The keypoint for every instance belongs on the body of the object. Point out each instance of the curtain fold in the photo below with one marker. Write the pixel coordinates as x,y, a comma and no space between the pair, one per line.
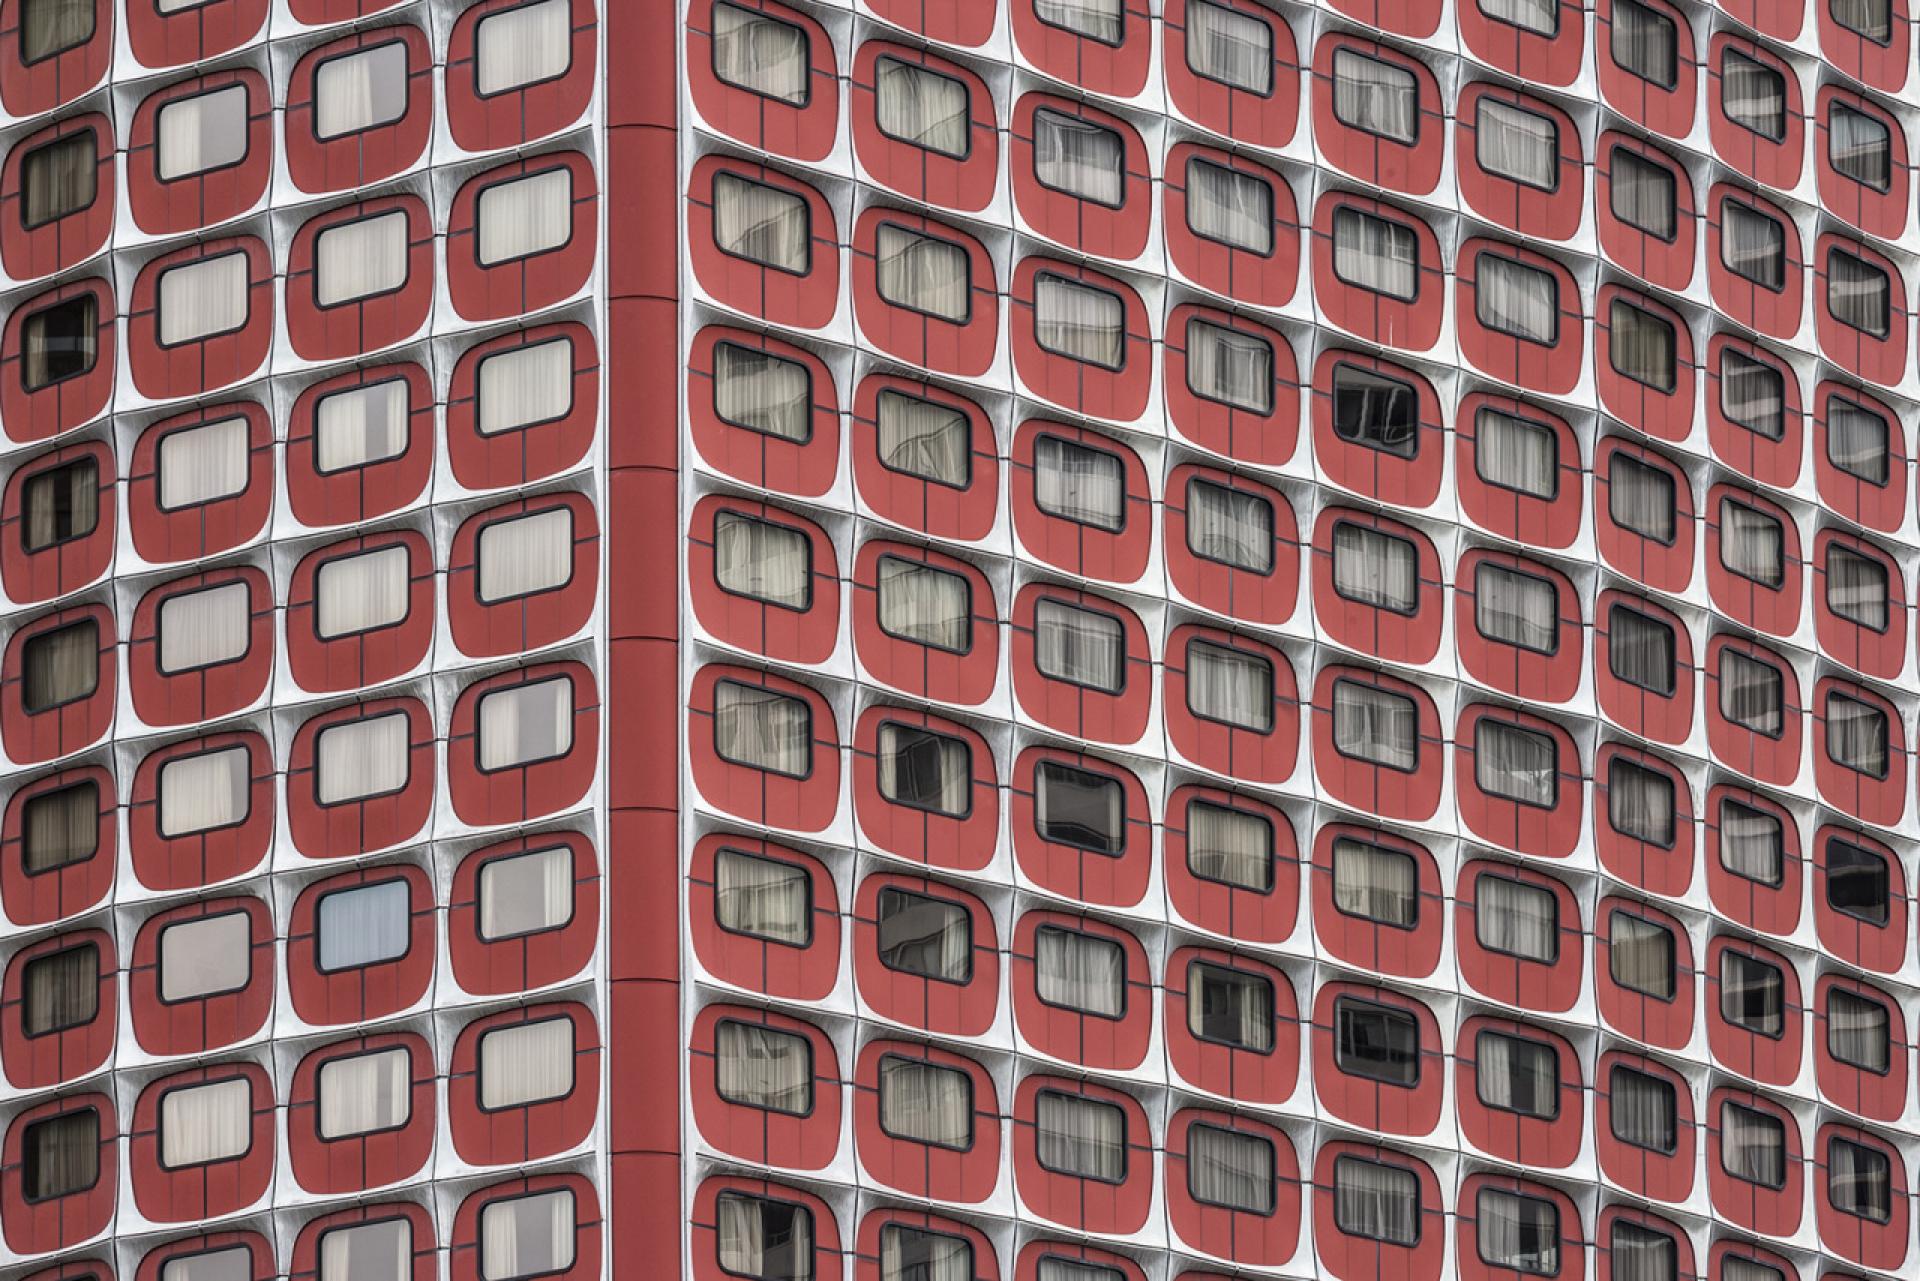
1640,649
1753,244
1376,96
1518,1075
1079,157
1519,764
1515,608
60,1154
1517,144
1751,693
361,592
1642,1109
1753,94
766,561
1542,17
1641,192
762,729
1640,802
527,893
926,1103
1230,1169
1078,645
1642,1254
1079,484
1645,42
531,384
920,106
1079,322
1753,394
922,438
525,555
1079,808
365,1252
60,666
1640,496
522,1236
911,1254
1230,525
1231,686
361,425
1229,46
759,896
1229,846
1100,19
770,1240
919,603
1080,971
1858,145
1856,587
763,1067
205,1123
1516,918
760,53
1229,1006
763,224
1375,253
362,1093
1081,1136
1753,1145
922,273
203,791
1519,1232
1857,735
202,132
524,45
1516,453
1229,206
526,723
1375,568
363,758
360,259
1375,725
1375,883
62,502
1858,1030
1857,293
1870,18
60,827
526,1063
203,627
1857,440
1230,367
927,770
360,90
1752,994
60,177
1641,346
60,989
1375,1200
203,298
1859,1179
1640,955
534,214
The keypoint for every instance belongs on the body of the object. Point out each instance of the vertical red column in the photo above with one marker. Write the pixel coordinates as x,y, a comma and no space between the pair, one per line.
643,630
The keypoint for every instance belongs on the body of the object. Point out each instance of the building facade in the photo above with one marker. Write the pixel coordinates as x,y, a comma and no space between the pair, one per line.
958,640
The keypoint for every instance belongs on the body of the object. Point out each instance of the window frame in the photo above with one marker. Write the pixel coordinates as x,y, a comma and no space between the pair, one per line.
713,57
362,886
1479,110
1348,211
880,1102
806,884
90,132
920,68
486,96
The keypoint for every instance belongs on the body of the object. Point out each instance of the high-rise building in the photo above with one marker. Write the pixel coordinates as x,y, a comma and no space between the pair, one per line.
958,640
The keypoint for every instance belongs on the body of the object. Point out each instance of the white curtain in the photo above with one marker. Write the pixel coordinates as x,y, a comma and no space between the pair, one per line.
360,90
60,1154
364,925
1079,807
1376,96
762,897
60,665
1375,568
926,1103
204,627
1519,764
358,759
60,989
1753,94
1230,525
526,1236
922,935
203,791
910,1254
1739,1267
1079,322
523,46
526,1062
762,729
1375,883
1520,1076
1541,17
235,1263
60,177
1856,587
1753,1145
361,425
525,216
1081,1136
922,438
206,131
1229,1006
525,385
526,893
525,723
1517,144
60,827
1753,394
381,1251
525,555
361,1093
1055,1267
1231,207
1378,413
1640,802
1859,1179
51,26
1642,1110
204,956
1640,497
1518,1232
1641,346
1752,994
1645,42
1857,735
1752,543
762,224
1079,484
762,1067
1515,917
1229,846
1099,19
1858,145
204,298
1080,646
766,561
1640,955
770,1240
1640,649
1641,192
1516,453
59,503
1230,685
1375,725
1516,299
200,464
922,273
1857,292
1858,1030
1228,366
360,259
922,107
1515,608
760,53
762,392
1229,46
361,592
1230,1169
204,1123
926,770
1374,1200
1375,254
1874,20
1080,971
1752,244
1642,1254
